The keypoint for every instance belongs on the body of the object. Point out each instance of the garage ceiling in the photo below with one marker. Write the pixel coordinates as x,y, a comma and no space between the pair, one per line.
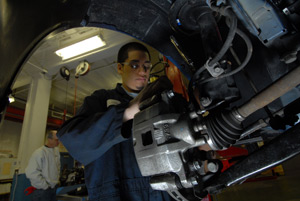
102,74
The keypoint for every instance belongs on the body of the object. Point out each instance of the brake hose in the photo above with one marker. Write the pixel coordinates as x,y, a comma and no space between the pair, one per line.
232,30
245,62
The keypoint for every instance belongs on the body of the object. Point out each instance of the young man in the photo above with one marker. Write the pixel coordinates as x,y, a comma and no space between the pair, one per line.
99,136
44,168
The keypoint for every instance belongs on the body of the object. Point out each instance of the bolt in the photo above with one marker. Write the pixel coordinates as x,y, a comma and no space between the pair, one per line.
212,167
170,94
194,181
205,101
217,70
193,115
286,11
198,127
196,165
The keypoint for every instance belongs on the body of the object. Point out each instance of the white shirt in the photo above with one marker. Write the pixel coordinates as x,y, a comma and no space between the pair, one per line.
44,168
131,94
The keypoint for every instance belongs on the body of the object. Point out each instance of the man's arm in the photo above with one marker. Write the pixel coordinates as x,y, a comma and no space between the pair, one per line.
94,130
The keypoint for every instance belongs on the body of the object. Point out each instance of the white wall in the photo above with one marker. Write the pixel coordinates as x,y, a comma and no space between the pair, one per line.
10,133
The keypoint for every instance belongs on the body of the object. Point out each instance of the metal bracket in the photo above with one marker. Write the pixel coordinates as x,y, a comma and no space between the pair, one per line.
215,70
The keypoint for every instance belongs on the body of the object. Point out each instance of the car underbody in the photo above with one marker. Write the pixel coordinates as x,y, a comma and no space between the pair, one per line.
240,57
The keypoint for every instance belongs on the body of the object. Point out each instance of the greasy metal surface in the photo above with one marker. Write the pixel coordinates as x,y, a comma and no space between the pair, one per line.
277,89
158,156
282,148
283,187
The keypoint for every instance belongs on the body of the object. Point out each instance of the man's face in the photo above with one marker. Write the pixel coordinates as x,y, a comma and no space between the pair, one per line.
54,142
135,80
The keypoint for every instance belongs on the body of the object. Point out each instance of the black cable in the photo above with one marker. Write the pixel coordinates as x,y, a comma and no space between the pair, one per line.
232,30
162,70
245,62
155,66
227,44
158,71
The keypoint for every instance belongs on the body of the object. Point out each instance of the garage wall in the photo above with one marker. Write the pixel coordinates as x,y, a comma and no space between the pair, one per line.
10,133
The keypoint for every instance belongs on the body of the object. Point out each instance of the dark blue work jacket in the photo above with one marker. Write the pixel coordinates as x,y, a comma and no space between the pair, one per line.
97,137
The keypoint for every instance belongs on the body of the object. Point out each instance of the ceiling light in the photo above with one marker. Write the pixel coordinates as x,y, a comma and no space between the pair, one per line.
81,47
11,98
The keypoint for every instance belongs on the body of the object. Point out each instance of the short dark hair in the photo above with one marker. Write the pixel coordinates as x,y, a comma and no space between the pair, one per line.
50,134
123,52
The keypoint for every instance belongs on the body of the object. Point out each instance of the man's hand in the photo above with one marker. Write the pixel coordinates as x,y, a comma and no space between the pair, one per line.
157,87
29,190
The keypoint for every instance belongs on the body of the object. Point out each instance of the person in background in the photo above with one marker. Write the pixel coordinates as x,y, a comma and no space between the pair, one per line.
43,169
100,137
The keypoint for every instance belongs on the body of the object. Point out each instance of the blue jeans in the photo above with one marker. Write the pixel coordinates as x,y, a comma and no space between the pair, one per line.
44,195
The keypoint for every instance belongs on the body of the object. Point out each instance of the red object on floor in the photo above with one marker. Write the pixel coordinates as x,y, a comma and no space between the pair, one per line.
207,198
229,154
233,152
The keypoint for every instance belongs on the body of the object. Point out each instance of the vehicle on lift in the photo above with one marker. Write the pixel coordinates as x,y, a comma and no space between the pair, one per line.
241,59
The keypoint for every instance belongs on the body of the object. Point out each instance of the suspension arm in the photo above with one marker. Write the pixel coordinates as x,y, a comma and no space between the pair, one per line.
277,151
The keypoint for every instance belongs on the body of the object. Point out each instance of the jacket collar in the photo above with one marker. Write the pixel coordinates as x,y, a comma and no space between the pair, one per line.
122,92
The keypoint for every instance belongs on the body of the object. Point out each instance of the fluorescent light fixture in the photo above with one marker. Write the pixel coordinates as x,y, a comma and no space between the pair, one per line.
81,47
11,98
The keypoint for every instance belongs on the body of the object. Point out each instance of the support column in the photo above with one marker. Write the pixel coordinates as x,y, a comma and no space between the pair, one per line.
35,119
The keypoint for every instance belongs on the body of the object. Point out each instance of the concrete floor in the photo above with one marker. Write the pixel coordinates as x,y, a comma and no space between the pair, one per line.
283,188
